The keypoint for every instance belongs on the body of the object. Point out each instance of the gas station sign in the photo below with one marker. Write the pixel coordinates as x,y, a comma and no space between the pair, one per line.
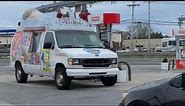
105,18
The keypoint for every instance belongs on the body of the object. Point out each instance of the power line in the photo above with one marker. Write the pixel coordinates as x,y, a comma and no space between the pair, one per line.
144,20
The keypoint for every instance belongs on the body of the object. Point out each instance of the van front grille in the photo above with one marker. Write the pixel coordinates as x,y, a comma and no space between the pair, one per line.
96,63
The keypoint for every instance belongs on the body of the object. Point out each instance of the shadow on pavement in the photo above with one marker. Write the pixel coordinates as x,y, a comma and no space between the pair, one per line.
75,84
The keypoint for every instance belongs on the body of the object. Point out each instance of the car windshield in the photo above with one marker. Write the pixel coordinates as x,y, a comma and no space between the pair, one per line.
78,39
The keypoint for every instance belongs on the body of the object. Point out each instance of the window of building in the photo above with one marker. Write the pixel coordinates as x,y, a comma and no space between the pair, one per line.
164,44
172,42
182,42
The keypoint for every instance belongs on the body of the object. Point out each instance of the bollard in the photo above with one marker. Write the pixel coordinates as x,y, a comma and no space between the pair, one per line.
169,64
128,66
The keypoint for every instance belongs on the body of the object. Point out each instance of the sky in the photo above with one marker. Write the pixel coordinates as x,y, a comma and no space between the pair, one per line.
11,12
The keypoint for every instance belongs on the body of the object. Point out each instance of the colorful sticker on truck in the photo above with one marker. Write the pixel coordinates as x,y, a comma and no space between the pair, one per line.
16,45
32,58
20,45
93,51
45,60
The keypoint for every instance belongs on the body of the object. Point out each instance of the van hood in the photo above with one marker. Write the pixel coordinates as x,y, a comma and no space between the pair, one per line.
89,53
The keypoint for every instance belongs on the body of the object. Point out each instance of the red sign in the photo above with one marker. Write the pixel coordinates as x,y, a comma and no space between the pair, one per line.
95,18
111,18
180,64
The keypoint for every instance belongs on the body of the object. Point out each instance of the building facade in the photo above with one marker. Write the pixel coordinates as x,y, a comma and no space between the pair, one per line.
6,36
142,44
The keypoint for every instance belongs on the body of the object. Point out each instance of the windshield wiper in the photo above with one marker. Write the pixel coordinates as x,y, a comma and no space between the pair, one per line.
69,46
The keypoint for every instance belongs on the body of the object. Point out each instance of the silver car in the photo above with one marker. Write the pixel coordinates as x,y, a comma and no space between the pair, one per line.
165,92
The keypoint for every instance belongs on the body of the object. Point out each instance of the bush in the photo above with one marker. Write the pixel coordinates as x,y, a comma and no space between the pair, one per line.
165,60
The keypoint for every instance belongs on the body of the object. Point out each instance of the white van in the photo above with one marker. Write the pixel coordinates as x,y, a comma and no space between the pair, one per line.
61,48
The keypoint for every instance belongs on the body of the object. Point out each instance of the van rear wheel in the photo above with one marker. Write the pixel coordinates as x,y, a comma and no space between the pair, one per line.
62,81
20,75
109,81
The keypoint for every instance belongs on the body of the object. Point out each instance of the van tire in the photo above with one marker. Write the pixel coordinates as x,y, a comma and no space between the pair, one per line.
109,81
20,75
61,74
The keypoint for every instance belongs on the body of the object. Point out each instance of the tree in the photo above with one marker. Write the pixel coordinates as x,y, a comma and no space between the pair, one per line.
155,35
140,31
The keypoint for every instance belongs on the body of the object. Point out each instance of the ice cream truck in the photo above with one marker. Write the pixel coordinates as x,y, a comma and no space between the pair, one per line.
58,45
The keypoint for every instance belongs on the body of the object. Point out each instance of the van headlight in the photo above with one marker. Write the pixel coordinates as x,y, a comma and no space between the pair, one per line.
73,61
114,61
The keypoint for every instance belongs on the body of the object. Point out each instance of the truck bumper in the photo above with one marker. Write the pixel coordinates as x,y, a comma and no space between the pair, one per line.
92,72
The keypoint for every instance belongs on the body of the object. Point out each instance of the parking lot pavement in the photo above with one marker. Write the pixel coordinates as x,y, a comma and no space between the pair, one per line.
41,90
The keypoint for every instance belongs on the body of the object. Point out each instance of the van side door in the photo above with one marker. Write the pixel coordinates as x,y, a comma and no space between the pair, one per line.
47,54
32,57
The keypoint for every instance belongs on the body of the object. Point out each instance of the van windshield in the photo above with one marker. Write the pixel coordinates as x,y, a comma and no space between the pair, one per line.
78,39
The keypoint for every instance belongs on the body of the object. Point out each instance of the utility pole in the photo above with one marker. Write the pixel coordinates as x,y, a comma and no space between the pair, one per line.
148,26
132,31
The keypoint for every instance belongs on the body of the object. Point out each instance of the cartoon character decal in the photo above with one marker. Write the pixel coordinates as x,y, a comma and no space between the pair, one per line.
16,45
20,46
45,57
93,51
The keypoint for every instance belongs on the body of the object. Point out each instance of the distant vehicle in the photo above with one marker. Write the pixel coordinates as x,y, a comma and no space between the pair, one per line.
165,92
169,44
144,50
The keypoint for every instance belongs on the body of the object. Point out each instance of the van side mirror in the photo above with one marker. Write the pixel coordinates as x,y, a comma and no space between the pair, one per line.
47,45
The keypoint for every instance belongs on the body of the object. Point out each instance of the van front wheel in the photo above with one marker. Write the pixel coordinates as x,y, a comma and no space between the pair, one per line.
62,81
109,81
20,75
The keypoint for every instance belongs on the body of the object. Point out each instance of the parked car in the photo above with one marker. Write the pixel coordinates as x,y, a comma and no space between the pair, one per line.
165,92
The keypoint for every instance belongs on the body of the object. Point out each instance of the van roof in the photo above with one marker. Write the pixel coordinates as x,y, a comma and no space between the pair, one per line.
34,18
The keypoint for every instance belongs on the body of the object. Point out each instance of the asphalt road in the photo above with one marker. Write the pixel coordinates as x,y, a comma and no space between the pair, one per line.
42,91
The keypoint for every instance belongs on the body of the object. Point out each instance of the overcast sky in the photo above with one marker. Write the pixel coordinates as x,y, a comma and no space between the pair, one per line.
11,12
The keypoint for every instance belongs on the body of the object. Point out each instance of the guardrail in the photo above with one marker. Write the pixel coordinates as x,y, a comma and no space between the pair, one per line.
128,66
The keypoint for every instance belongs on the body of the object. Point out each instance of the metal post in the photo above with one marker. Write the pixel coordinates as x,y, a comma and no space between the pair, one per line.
108,34
148,26
132,31
178,50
